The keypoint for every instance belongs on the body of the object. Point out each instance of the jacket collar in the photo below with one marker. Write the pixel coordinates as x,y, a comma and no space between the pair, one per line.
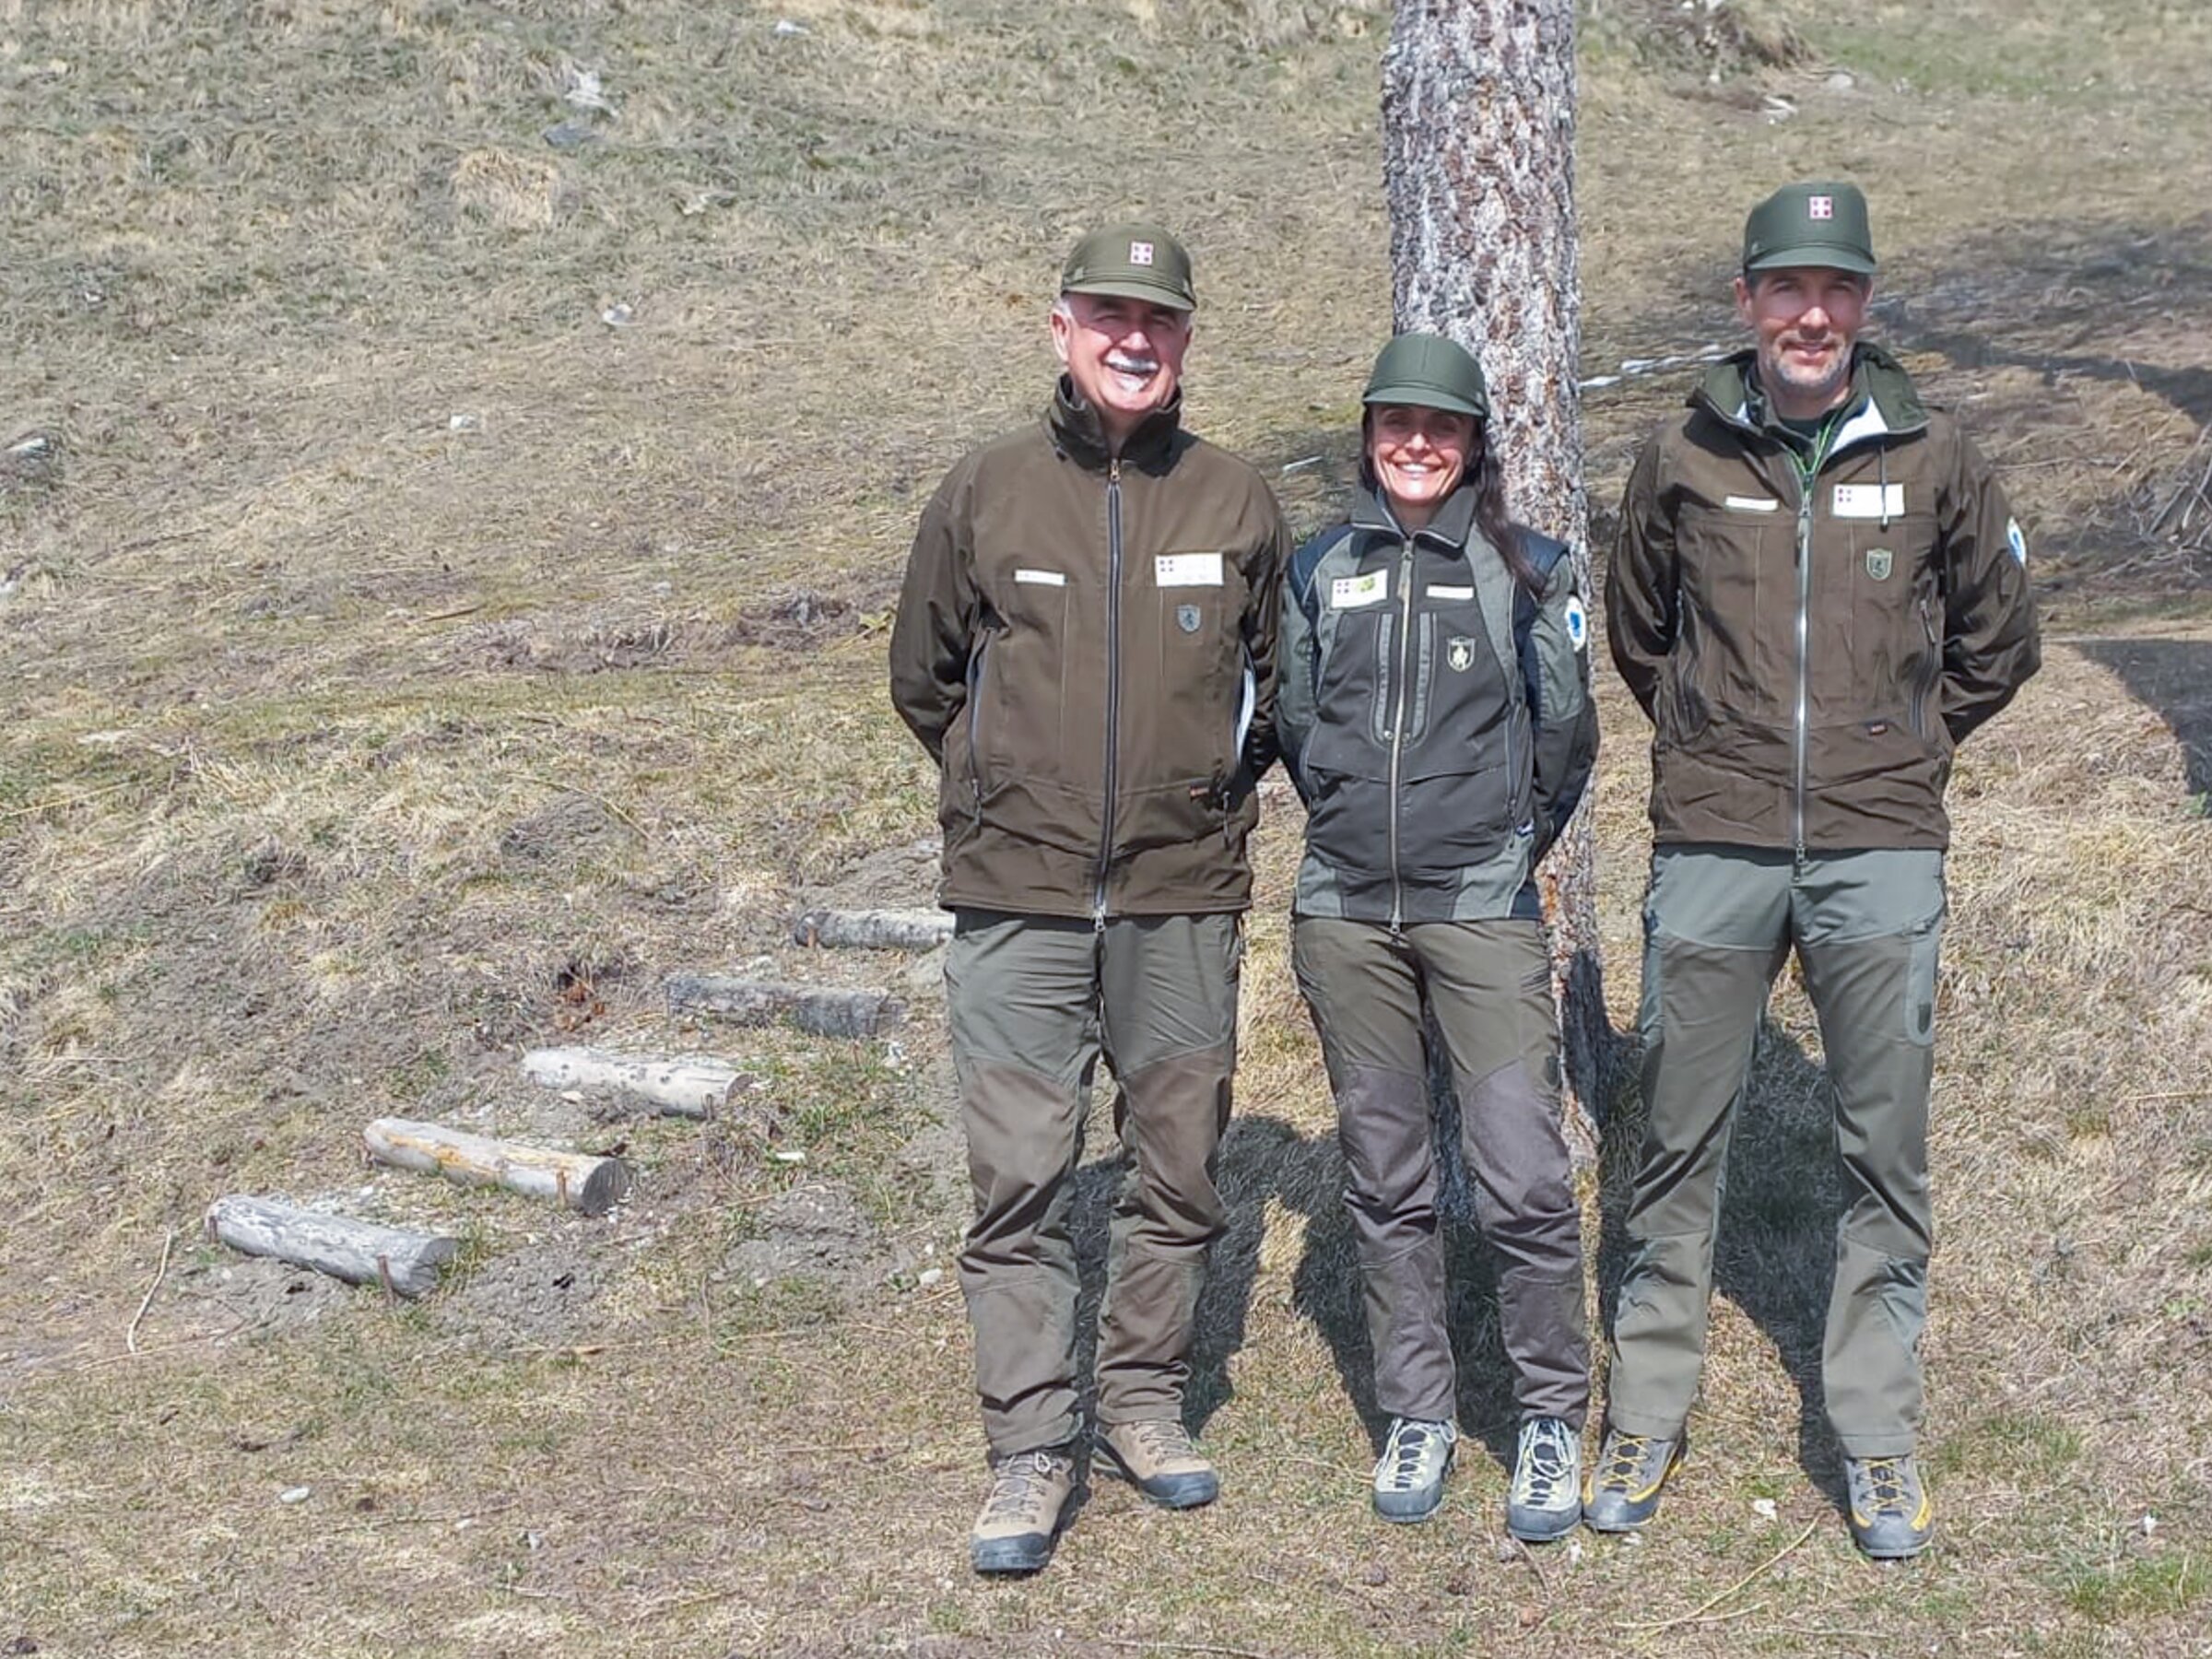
1449,530
1885,403
1076,433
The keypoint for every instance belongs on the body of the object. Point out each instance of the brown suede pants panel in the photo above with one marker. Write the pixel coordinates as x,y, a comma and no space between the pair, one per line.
1035,1002
1489,987
1718,926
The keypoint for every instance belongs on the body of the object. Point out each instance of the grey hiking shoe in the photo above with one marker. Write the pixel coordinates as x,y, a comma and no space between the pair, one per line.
1409,1475
1622,1491
1891,1516
1157,1457
1020,1519
1546,1501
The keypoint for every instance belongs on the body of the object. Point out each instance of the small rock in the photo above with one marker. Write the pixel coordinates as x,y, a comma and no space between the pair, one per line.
1763,1508
2150,1524
571,134
462,423
929,1277
1505,1552
294,1494
1375,1577
1843,81
784,25
617,315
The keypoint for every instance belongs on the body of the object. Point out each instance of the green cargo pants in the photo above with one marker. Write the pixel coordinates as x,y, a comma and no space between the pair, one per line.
1034,1002
1488,986
1719,922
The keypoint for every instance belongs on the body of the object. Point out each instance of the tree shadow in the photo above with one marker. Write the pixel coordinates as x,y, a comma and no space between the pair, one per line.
2173,676
1782,1198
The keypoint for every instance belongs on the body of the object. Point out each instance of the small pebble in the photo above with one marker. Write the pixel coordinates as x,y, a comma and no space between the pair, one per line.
294,1494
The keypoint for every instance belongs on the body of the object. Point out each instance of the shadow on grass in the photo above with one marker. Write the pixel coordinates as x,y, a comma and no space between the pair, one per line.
2173,676
1782,1198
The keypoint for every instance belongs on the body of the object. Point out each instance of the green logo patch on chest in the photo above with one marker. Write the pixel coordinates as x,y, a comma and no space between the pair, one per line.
1880,561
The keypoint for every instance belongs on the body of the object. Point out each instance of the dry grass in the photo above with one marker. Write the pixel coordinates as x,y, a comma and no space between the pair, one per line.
396,647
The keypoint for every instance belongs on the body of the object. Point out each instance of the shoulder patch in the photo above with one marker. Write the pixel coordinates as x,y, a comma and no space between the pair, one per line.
1578,622
2015,541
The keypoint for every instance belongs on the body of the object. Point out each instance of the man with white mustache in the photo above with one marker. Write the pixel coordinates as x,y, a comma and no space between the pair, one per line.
1085,644
1818,592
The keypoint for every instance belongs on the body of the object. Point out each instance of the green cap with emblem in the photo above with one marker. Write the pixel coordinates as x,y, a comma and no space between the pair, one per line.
1428,372
1819,225
1132,261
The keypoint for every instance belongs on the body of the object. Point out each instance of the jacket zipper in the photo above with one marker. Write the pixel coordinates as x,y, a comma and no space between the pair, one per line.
1923,682
1113,684
1805,604
1398,727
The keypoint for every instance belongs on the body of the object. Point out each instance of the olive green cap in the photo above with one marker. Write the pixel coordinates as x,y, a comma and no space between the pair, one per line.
1428,372
1135,262
1819,225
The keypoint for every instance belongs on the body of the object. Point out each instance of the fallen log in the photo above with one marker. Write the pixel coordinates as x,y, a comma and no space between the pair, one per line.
688,1085
576,1180
824,1013
358,1252
872,929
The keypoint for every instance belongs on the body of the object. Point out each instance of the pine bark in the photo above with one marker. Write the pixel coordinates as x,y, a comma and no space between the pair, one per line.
1478,162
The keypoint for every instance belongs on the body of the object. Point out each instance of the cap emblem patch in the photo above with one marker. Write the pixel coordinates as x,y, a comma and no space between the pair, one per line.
1820,208
1140,253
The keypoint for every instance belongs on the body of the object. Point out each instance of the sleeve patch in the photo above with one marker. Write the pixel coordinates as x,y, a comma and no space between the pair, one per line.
2015,541
1578,623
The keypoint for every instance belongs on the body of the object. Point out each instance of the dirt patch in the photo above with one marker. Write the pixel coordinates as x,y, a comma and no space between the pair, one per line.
898,878
816,1232
541,1293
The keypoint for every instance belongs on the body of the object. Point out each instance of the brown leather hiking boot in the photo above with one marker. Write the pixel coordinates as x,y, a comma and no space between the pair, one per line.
1020,1519
1157,1457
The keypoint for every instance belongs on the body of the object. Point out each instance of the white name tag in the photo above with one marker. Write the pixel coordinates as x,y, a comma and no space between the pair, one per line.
1042,578
1870,500
1349,592
1437,592
1751,504
1187,570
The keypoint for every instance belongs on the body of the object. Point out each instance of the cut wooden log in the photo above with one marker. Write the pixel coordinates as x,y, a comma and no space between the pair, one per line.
872,929
358,1252
825,1013
686,1086
574,1179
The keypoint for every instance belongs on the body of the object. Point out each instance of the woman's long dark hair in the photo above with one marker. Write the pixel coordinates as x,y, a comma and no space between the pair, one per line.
1487,479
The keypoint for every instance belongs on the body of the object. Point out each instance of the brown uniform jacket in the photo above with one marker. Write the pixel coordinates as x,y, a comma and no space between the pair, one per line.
1085,645
1809,657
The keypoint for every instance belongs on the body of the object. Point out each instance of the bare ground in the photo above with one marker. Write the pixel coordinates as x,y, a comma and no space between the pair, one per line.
408,665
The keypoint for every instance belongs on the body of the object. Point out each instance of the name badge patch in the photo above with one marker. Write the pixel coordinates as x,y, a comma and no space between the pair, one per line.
1869,501
1751,504
1187,570
1352,593
1041,578
1438,591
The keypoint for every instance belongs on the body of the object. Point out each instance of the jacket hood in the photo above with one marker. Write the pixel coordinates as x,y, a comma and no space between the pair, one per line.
1730,390
1076,431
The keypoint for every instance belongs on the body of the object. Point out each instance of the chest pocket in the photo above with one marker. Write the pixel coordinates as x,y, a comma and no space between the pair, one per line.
1188,607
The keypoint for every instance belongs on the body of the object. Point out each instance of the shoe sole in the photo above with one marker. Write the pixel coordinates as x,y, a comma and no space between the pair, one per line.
1549,1529
1011,1557
1191,1492
1410,1517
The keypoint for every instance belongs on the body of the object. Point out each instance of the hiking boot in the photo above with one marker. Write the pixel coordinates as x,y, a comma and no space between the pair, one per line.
1020,1519
1156,1457
1409,1477
1622,1491
1891,1515
1546,1501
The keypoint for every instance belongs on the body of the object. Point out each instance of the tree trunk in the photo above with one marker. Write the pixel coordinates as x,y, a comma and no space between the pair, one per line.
1478,162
